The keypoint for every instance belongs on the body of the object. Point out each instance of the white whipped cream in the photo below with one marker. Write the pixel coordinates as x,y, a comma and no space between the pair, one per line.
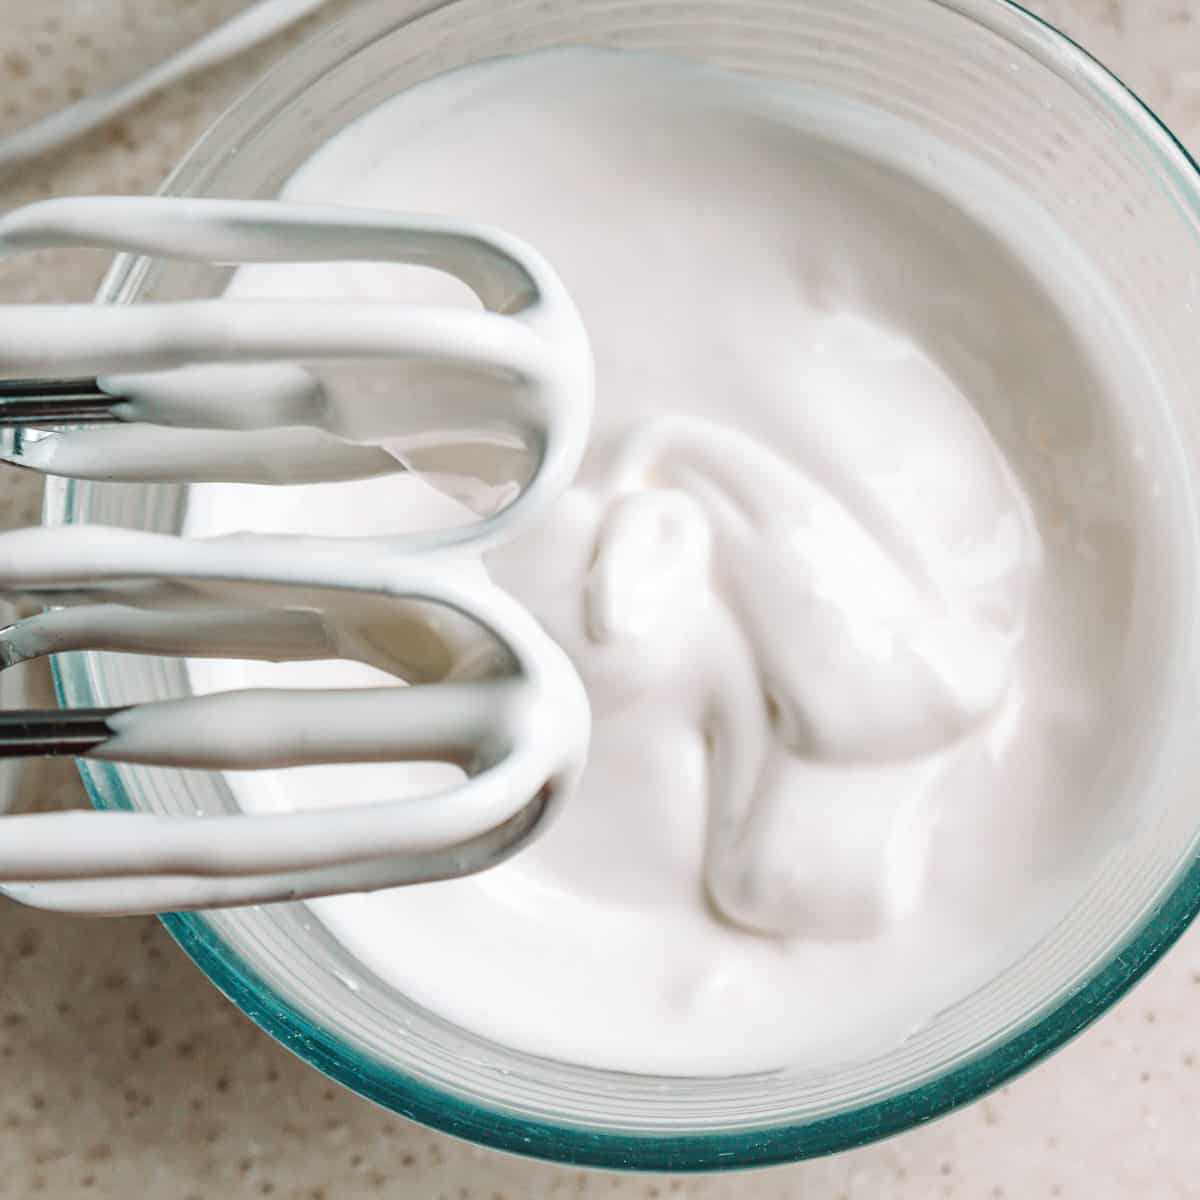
846,570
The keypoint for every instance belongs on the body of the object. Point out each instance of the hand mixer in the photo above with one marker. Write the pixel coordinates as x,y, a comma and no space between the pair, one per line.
202,389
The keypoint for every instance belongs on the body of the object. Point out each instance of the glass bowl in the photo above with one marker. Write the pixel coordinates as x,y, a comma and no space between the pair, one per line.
984,76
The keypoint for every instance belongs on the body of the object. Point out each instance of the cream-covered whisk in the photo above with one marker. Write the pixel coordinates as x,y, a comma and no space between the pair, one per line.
491,405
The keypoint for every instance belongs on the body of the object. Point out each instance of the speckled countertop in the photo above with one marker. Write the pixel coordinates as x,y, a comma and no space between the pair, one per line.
125,1074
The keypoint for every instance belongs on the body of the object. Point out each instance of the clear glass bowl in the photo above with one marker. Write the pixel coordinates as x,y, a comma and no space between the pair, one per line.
983,75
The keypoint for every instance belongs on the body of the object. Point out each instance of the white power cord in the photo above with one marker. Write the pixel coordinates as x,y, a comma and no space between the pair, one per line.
256,24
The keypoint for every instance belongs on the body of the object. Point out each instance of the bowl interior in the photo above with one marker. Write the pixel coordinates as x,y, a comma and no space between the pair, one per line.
991,83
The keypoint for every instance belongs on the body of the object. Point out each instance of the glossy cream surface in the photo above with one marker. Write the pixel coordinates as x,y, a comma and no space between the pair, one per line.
848,570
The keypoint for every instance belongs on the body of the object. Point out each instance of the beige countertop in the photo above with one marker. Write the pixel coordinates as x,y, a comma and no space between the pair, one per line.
125,1074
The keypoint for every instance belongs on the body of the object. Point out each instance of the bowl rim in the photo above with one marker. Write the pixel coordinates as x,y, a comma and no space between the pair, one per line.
578,1145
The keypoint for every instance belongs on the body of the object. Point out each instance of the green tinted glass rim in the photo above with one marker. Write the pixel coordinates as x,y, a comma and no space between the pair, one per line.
691,1152
581,1146
762,1146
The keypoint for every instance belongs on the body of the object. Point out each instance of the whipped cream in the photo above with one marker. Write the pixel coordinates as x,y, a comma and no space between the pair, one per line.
846,570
